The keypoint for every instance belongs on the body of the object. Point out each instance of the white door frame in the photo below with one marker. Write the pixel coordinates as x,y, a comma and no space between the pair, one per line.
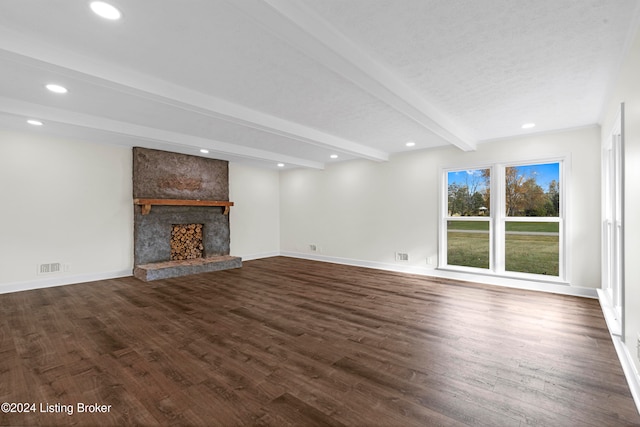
612,288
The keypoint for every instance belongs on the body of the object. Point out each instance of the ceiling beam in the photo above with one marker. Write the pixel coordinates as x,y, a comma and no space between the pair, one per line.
299,26
17,47
82,120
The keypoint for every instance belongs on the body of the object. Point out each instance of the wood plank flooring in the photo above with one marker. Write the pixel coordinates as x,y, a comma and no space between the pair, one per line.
288,342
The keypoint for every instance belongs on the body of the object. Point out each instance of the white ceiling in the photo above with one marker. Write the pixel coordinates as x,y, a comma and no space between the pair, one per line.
294,81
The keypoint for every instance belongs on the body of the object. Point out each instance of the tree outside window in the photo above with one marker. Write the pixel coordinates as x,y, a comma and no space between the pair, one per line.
525,194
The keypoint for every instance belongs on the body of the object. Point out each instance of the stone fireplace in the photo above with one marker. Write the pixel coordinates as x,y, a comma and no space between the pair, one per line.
181,215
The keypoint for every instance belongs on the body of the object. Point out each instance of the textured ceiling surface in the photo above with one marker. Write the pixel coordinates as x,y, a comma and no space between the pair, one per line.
488,61
270,81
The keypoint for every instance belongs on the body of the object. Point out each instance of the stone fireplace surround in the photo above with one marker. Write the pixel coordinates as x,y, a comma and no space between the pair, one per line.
164,175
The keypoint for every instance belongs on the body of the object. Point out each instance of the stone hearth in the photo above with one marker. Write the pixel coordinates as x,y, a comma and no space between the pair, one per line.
165,270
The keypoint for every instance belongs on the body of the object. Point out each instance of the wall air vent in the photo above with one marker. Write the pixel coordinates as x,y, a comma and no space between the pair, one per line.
402,256
53,267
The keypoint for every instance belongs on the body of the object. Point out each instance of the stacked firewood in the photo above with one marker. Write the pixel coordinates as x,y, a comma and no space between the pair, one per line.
186,242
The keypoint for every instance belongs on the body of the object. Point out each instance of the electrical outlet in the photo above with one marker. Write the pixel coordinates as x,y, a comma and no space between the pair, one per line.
313,248
430,260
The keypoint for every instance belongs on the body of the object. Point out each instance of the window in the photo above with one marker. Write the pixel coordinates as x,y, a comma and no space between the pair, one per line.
505,219
468,218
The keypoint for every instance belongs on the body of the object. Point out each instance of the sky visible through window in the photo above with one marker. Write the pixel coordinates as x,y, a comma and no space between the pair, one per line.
543,174
467,177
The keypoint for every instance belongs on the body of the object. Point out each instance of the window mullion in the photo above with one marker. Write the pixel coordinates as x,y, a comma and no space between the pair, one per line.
498,215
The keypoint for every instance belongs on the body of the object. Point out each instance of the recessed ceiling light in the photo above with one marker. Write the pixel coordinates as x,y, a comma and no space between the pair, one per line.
528,125
334,156
105,10
410,144
56,88
204,151
280,165
34,122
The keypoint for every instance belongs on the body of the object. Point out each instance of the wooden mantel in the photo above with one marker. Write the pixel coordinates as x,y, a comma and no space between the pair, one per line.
145,204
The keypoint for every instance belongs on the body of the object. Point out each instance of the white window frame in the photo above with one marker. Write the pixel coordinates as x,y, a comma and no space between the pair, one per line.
497,220
445,218
611,293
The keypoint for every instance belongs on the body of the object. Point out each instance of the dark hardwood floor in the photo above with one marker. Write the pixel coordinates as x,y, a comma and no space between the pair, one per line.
293,342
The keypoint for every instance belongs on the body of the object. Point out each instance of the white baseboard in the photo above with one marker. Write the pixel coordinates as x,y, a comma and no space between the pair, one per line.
613,324
625,357
517,283
630,371
261,255
61,281
423,271
359,263
445,274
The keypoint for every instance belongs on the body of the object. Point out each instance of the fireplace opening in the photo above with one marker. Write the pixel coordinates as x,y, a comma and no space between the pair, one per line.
186,241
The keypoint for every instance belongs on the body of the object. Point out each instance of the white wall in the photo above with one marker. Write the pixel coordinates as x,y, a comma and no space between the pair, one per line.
627,90
63,201
364,211
254,218
71,202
